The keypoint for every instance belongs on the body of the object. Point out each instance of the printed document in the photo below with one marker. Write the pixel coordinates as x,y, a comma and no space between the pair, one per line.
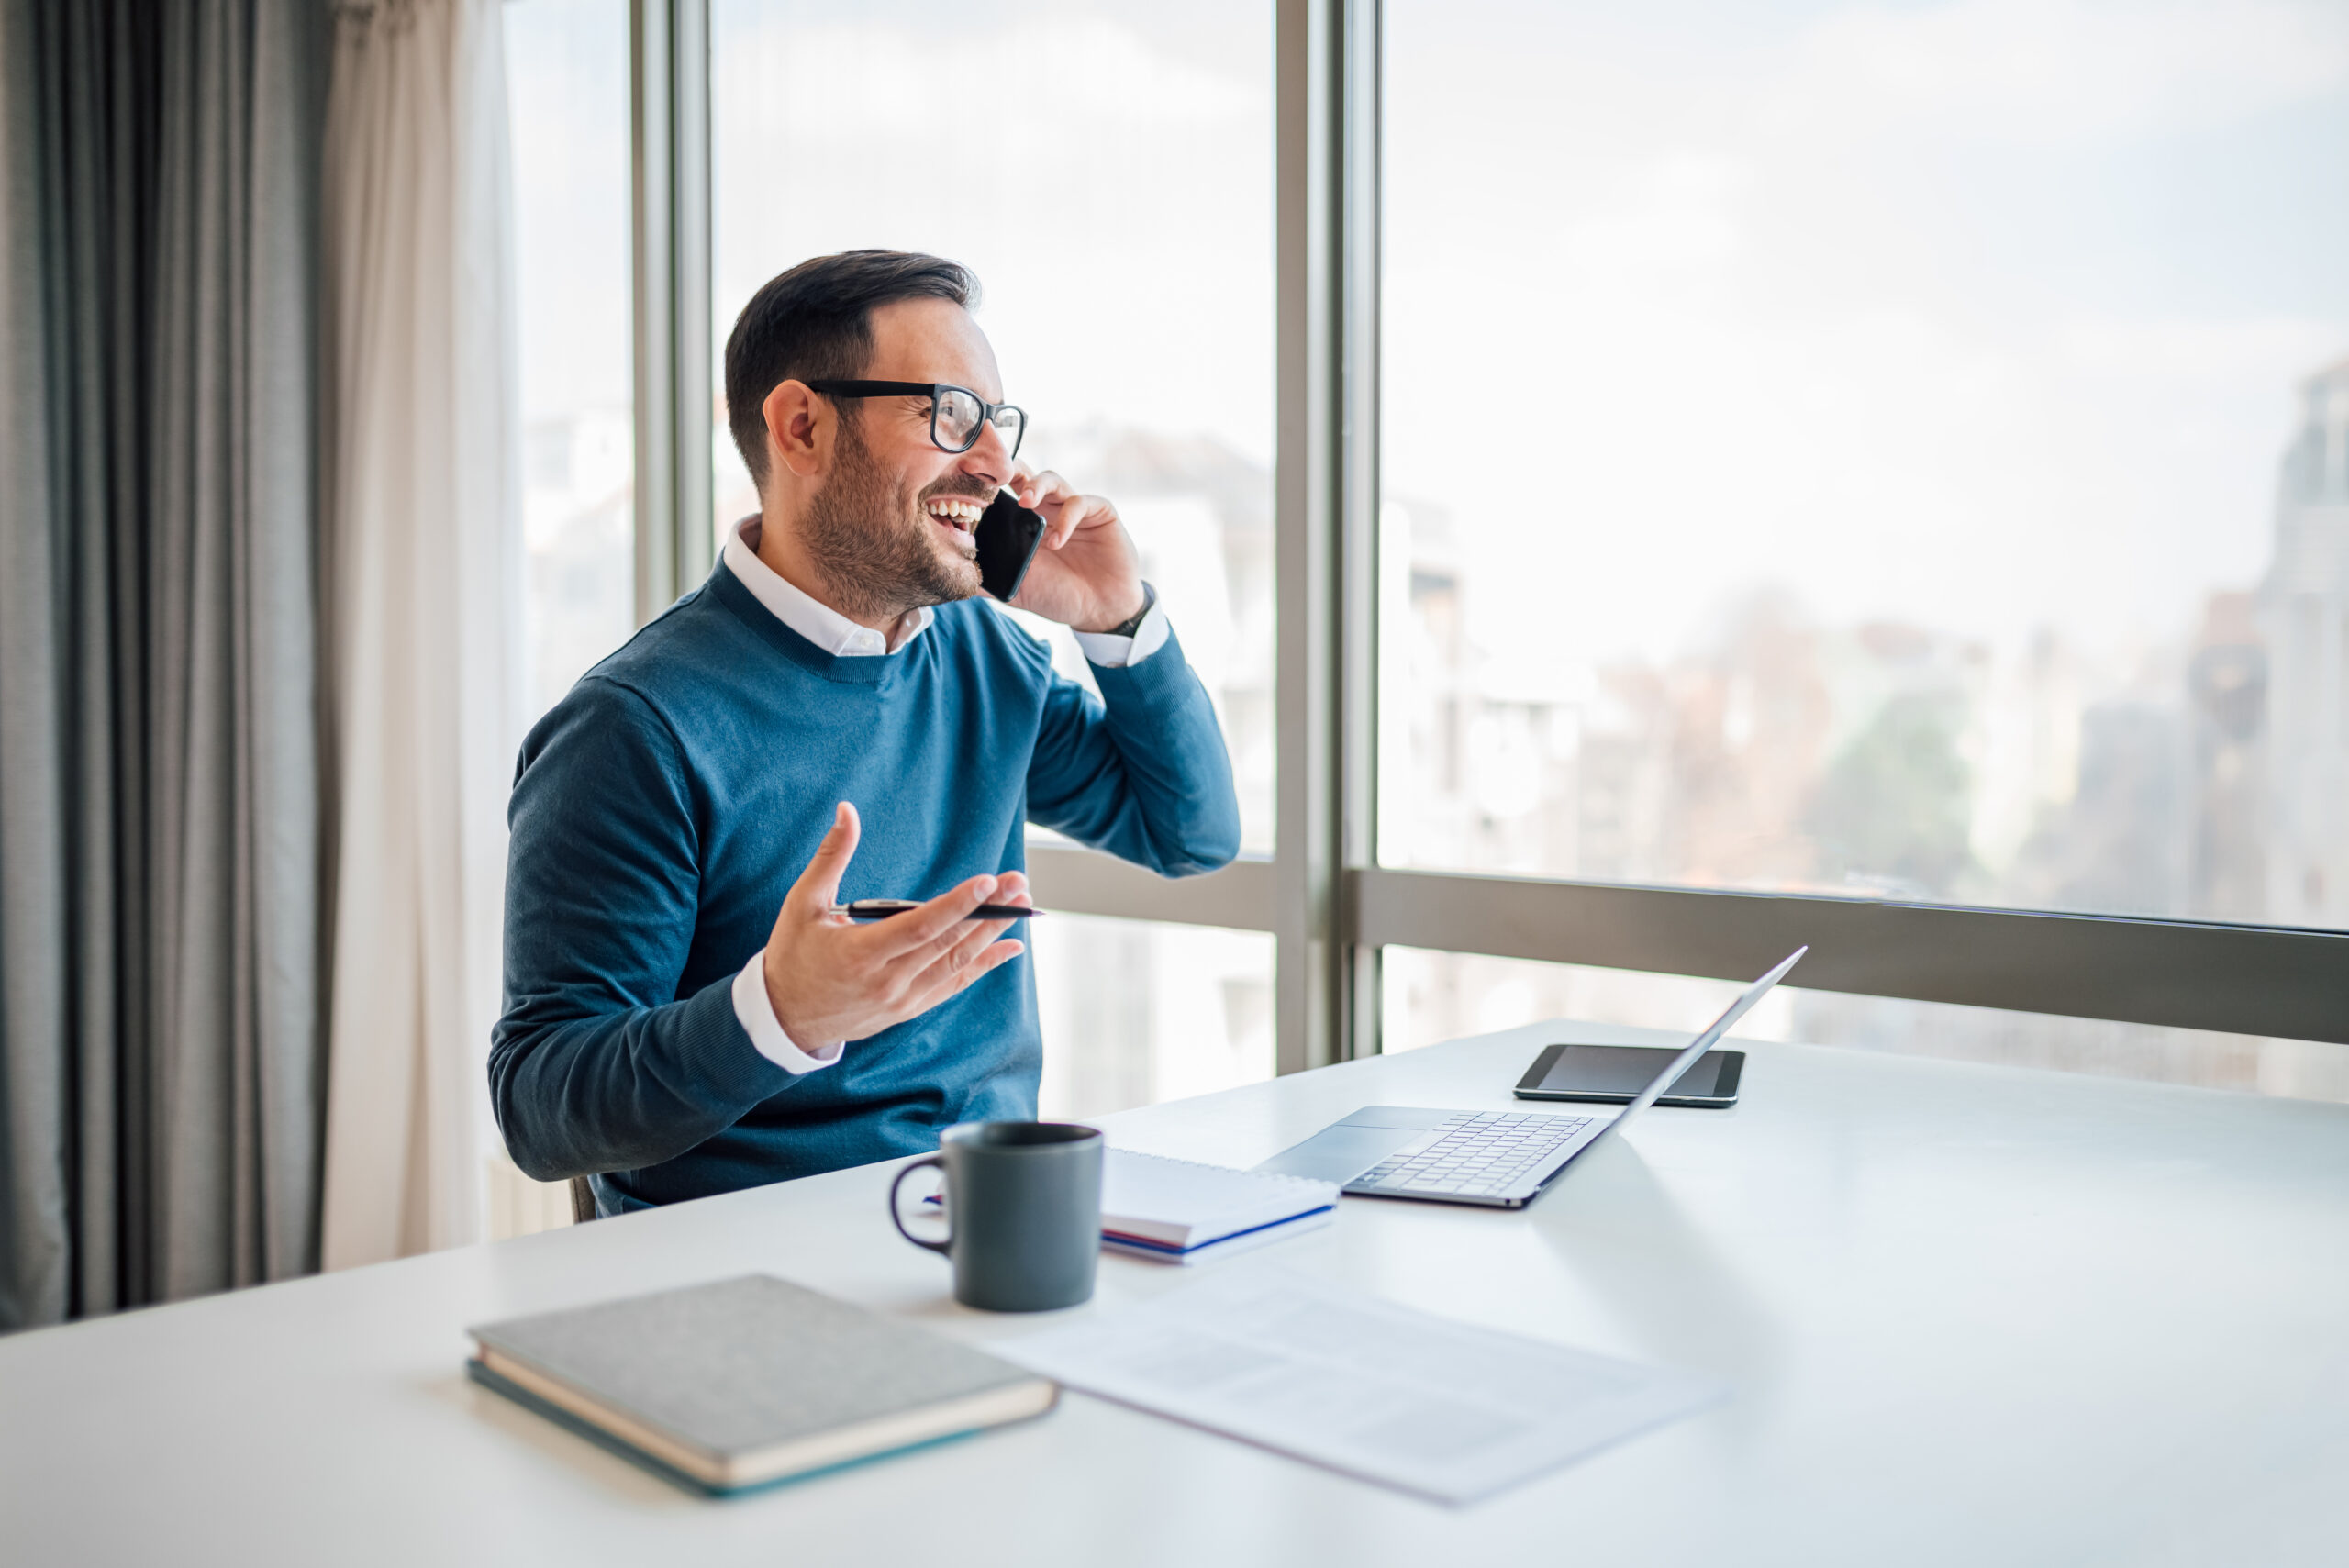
1411,1401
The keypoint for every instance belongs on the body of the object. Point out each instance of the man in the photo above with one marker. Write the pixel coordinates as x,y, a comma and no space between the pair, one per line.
831,716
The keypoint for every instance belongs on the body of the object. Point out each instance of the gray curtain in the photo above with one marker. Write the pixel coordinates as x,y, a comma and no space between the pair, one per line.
160,999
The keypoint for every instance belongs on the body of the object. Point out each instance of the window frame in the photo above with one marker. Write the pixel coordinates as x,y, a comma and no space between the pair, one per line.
1329,904
669,278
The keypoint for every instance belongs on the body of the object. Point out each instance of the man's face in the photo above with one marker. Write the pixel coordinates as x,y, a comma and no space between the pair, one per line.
890,527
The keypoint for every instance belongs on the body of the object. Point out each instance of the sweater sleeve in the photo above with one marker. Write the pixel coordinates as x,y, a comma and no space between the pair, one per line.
597,1065
1140,772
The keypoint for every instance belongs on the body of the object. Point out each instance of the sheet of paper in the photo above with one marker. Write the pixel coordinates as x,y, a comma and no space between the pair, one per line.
1397,1396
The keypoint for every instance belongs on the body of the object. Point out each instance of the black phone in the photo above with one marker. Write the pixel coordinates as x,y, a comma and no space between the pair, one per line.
1006,536
1614,1074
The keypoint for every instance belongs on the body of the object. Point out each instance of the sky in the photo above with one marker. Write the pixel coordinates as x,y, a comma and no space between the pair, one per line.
1106,169
567,103
1983,314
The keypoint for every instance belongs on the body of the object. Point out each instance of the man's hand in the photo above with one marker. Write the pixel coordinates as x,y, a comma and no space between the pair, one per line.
830,979
1087,575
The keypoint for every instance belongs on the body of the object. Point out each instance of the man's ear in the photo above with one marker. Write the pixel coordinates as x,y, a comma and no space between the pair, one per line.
799,429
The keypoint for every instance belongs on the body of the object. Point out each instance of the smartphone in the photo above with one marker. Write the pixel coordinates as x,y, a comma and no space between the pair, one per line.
1006,536
1614,1074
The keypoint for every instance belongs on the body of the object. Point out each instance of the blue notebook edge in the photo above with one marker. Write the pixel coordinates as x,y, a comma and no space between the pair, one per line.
669,1472
1142,1247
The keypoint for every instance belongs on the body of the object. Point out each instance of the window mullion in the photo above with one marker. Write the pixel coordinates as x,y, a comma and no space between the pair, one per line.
1357,540
669,49
1325,509
1309,993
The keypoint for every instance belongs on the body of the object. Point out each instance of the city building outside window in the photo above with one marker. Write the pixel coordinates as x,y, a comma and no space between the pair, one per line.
1883,453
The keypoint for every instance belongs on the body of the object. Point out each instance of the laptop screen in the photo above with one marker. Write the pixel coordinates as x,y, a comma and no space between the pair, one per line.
1696,1047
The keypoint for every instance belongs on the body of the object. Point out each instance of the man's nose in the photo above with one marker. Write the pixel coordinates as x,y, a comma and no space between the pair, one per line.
989,457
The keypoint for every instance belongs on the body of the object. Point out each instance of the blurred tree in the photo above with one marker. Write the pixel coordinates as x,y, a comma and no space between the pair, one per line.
1894,809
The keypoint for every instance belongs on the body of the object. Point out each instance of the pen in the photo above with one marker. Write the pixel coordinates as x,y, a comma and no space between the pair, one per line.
882,909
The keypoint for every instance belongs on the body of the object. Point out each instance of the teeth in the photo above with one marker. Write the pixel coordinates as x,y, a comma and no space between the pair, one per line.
956,510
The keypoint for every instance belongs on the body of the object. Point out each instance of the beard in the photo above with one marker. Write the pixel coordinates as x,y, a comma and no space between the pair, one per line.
872,542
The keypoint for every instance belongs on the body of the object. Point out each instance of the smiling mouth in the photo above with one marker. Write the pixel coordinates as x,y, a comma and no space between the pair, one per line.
958,515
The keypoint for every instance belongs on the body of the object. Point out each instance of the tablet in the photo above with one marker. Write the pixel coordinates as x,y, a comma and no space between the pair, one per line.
1614,1074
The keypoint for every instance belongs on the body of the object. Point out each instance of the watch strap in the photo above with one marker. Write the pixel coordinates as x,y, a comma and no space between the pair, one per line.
1127,628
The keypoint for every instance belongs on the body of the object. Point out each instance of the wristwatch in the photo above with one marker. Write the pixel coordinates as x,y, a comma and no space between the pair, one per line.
1127,628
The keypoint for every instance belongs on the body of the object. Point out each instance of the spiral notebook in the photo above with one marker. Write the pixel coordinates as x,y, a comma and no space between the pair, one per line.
1179,1211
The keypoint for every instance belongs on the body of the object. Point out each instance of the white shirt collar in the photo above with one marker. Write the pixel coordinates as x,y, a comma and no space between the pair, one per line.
818,622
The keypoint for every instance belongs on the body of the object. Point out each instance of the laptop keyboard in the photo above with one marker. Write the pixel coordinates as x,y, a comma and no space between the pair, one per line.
1472,1156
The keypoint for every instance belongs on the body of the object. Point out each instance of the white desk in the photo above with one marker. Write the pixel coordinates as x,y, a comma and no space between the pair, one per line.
1973,1316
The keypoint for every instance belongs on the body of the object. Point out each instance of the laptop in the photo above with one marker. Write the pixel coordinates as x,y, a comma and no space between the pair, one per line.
1493,1158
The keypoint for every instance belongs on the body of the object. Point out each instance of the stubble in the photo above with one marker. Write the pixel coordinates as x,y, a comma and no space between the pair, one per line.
863,533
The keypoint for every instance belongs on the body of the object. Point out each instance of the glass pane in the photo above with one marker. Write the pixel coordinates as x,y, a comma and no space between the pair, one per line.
1136,1011
1895,451
567,101
567,107
1114,194
1433,997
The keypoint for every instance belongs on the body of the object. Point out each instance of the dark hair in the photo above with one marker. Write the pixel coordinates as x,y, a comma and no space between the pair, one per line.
816,321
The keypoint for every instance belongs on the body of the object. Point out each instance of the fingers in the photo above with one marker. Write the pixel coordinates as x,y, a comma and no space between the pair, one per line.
941,917
920,969
1040,491
968,945
1066,510
949,972
1082,513
967,935
947,977
818,886
829,979
988,960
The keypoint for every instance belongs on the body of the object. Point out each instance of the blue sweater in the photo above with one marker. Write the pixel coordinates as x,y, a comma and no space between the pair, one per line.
662,809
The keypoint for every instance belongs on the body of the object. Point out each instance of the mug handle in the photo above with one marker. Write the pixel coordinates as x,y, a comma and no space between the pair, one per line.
898,1220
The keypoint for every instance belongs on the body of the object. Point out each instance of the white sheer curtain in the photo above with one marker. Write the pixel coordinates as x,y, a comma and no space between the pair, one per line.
423,573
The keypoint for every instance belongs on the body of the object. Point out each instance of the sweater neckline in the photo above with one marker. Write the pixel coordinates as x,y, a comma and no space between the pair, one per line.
847,670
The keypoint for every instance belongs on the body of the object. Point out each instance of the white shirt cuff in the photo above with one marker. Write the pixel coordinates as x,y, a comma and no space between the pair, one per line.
1112,651
757,1016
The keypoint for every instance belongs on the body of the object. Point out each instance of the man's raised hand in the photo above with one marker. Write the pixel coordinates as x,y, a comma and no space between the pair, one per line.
1087,575
830,979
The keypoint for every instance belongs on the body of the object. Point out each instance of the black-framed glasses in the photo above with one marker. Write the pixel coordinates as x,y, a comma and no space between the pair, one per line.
957,413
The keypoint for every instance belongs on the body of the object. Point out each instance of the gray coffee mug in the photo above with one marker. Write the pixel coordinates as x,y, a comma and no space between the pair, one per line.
1023,1212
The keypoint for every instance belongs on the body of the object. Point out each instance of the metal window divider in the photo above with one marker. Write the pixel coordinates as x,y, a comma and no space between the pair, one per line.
670,278
1327,987
1312,996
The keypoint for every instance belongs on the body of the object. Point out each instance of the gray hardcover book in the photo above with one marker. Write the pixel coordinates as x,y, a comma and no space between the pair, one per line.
744,1382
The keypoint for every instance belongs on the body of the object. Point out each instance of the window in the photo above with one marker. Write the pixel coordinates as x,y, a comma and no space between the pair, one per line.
1106,169
1432,996
1865,476
567,93
1138,1011
1871,451
567,97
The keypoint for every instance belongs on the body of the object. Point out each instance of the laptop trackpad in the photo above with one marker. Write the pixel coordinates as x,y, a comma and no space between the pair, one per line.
1341,1152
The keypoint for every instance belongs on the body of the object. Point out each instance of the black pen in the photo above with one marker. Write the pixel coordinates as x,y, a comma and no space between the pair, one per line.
882,909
